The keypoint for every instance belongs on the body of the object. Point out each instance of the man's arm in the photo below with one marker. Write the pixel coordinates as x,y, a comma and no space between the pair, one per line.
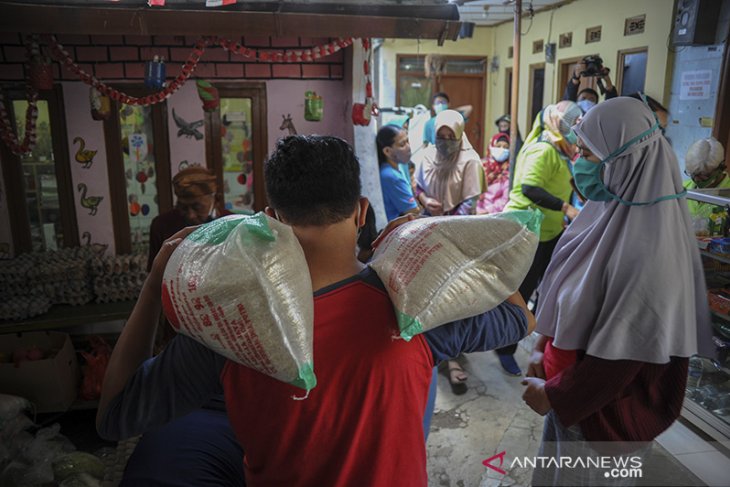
504,325
136,340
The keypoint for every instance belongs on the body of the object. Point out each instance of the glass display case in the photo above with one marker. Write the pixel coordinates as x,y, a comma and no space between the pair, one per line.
707,401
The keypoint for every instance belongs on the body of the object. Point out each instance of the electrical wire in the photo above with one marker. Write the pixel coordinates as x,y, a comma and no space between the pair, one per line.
532,15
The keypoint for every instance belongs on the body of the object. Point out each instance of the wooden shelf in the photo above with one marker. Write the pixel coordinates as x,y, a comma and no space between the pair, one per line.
66,316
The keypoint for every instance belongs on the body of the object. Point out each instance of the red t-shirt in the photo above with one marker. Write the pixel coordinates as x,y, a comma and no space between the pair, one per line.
361,425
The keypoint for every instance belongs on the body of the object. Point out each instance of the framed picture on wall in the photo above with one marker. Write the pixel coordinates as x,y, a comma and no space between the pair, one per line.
635,25
593,34
566,40
538,46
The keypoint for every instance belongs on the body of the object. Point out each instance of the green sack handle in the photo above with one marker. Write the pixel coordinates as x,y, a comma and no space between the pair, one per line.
530,219
217,231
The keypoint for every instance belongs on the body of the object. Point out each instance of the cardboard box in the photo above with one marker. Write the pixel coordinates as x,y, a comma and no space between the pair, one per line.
50,384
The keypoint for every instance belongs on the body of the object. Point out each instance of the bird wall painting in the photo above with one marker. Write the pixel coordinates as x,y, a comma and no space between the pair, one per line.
84,156
187,129
89,202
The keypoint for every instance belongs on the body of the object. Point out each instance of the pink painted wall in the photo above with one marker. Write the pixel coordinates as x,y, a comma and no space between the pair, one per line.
287,97
188,106
96,178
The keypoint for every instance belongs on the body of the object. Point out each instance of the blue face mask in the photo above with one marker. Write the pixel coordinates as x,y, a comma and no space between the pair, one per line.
440,107
587,176
586,105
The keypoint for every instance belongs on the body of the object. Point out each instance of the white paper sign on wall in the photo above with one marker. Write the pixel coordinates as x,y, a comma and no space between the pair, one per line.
695,85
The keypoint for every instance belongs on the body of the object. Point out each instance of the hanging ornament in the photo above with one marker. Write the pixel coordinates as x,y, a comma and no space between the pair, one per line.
313,107
363,112
208,95
154,73
100,105
41,73
7,132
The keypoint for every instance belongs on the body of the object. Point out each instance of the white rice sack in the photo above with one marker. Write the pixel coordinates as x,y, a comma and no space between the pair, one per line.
437,270
240,285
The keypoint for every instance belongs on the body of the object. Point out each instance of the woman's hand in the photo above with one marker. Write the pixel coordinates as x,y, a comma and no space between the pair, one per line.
535,395
433,206
570,211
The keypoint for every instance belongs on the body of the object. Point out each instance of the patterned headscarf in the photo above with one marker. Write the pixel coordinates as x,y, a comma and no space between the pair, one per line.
557,121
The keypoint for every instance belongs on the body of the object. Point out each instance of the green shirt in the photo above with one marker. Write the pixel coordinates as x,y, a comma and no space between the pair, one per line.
540,164
703,210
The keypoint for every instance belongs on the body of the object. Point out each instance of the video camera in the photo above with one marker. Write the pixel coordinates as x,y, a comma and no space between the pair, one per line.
594,66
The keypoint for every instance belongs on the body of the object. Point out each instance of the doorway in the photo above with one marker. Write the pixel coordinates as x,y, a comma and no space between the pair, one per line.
235,138
632,70
566,67
463,78
536,91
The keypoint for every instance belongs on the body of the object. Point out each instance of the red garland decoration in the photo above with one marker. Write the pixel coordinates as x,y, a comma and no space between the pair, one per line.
31,112
288,56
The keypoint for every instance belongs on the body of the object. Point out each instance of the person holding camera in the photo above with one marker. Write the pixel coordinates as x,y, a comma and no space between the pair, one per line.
587,98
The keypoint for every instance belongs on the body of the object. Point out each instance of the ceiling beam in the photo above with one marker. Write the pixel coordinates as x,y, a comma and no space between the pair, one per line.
47,19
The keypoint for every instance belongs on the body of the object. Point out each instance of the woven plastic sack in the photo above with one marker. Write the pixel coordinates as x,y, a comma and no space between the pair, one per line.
240,285
437,270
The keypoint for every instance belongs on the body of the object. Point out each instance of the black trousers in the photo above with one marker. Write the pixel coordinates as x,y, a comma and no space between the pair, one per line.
532,279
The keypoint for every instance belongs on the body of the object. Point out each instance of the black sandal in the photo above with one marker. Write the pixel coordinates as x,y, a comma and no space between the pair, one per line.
458,386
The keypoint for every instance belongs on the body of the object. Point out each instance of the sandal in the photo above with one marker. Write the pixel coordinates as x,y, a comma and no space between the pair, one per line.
457,380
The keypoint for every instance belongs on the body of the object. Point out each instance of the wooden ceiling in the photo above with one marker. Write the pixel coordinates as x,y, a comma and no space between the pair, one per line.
380,18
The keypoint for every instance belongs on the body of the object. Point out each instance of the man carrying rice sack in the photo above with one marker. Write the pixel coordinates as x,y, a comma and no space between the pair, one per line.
362,423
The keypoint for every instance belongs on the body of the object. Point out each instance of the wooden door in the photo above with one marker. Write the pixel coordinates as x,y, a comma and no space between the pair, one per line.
468,90
566,69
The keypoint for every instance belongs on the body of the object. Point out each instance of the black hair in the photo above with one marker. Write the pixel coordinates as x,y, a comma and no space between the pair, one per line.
502,138
313,179
654,105
442,95
589,90
385,138
368,232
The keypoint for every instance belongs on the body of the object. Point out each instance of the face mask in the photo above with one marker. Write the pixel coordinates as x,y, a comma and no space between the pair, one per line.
571,138
440,107
447,147
499,154
586,105
713,180
587,176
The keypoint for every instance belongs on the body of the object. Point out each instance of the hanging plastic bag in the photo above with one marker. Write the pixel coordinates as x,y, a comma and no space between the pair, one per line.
313,107
95,368
240,285
441,269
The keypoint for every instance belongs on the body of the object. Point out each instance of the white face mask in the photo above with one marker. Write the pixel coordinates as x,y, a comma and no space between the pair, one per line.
499,154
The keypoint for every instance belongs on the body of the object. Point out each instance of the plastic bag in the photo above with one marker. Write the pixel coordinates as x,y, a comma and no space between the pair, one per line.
240,285
437,270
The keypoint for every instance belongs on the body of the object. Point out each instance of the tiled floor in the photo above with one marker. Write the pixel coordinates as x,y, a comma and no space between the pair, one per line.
491,418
